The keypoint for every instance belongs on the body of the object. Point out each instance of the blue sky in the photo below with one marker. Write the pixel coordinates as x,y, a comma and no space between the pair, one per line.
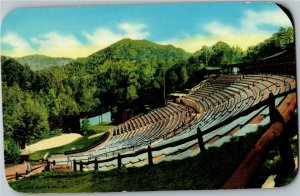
80,31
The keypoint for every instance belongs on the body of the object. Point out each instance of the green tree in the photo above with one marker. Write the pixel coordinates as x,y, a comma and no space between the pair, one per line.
85,124
11,150
131,93
172,81
278,42
33,122
183,75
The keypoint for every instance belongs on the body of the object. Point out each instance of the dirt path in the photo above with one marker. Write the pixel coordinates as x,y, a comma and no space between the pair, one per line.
10,172
51,142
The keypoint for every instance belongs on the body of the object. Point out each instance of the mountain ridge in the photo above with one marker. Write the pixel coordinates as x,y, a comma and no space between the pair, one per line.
137,50
39,62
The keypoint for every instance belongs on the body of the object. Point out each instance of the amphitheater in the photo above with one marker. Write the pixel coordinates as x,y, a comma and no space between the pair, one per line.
213,112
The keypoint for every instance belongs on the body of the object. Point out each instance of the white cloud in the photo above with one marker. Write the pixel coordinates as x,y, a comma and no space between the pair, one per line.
250,24
52,39
17,43
254,19
103,37
248,32
54,44
134,31
57,44
51,44
217,28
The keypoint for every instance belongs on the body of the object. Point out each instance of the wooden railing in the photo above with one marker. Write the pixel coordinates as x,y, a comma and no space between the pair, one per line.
217,126
275,135
198,136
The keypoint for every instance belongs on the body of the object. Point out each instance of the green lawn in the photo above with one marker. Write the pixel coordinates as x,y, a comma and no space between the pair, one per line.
208,170
102,127
77,144
82,142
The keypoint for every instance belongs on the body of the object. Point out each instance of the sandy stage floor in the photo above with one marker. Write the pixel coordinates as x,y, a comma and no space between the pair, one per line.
51,142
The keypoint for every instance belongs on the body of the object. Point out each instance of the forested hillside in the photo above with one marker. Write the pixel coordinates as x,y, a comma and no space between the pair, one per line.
188,73
139,51
39,62
128,74
281,40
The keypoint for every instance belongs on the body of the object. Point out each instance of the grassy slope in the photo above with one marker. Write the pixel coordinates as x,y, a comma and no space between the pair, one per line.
77,144
102,127
209,170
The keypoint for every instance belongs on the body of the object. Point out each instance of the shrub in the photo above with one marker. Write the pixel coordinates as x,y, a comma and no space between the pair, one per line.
57,132
84,127
90,132
11,151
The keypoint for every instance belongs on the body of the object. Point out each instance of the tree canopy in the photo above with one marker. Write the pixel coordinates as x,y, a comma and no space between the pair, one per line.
127,74
279,41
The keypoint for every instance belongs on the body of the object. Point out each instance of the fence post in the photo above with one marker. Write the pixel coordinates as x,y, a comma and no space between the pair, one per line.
286,153
81,166
150,158
275,115
96,164
74,164
200,140
17,176
119,160
48,166
28,168
284,146
272,107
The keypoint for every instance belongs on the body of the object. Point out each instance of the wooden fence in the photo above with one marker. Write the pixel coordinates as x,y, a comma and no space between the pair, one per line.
275,135
199,136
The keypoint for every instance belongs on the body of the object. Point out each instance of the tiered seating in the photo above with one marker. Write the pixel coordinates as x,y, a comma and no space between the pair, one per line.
248,91
145,129
219,99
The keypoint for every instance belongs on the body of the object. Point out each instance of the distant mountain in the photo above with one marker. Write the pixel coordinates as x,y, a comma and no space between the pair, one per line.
39,62
139,51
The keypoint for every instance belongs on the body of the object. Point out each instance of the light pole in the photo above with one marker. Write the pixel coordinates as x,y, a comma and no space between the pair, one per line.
164,86
232,60
206,56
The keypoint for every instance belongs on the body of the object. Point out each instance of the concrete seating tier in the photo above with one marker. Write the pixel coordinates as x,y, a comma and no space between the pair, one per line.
219,99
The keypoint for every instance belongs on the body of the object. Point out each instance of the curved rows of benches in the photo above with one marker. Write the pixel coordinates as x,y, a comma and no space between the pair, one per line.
219,98
257,89
138,132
